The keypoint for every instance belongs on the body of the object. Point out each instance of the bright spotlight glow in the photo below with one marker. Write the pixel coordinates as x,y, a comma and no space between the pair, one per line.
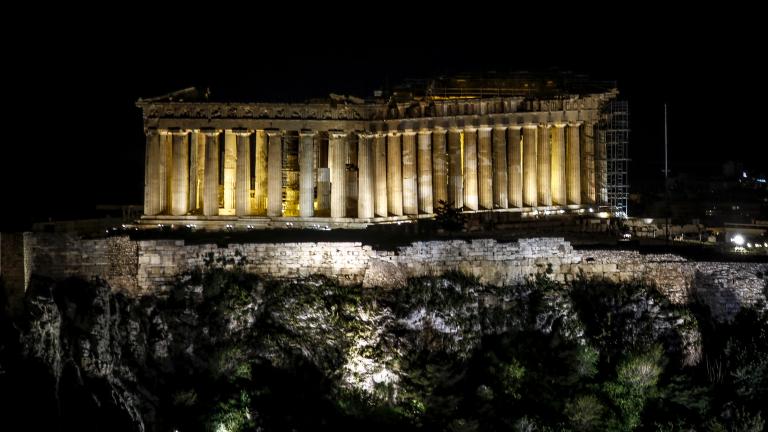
738,239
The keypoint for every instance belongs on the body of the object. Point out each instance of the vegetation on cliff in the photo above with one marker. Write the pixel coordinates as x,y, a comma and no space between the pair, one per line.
228,351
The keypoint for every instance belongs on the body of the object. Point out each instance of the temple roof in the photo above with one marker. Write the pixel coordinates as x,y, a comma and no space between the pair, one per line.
548,85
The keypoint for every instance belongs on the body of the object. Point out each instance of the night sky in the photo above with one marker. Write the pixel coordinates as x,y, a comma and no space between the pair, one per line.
75,139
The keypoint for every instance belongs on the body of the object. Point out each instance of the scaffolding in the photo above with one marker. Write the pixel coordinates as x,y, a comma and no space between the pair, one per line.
613,146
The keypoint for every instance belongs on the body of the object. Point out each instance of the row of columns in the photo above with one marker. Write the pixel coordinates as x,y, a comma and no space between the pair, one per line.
398,172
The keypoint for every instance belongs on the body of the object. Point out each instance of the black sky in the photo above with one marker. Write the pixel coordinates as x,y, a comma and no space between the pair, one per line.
75,139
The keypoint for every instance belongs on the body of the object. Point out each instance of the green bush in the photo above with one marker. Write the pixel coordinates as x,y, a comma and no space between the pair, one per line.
585,413
449,217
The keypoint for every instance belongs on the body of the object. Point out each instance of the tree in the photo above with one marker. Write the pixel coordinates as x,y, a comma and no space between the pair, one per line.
449,217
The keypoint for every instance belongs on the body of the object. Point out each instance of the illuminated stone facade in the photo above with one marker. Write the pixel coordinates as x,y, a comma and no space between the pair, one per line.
349,162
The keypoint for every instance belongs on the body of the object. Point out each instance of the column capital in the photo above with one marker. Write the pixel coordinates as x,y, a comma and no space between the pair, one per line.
307,132
515,127
500,126
530,126
425,131
337,134
575,123
484,128
439,129
559,124
241,131
178,131
210,131
393,133
409,132
466,128
273,132
545,125
151,131
366,134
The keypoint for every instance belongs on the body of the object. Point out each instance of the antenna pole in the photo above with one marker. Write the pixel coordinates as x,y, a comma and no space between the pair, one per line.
666,177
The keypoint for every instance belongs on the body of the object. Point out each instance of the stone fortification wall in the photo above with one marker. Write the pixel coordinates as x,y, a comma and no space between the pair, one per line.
145,266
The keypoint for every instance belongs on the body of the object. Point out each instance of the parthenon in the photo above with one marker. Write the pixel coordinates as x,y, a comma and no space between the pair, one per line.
521,145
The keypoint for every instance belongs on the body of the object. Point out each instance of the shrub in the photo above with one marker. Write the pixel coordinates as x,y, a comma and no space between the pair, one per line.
449,217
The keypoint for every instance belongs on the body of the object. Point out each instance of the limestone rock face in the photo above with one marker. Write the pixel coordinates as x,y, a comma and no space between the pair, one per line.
105,360
381,273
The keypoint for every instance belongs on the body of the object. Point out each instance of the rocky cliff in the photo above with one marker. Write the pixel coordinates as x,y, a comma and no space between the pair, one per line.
229,350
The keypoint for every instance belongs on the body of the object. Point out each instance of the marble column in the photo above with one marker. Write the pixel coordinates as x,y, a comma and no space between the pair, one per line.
324,191
530,198
323,177
151,173
260,166
455,169
306,173
337,162
410,176
243,173
211,188
180,184
470,168
484,168
425,171
200,170
515,166
588,181
365,176
230,171
394,174
193,182
544,166
275,173
439,167
380,173
165,171
558,165
351,175
500,181
601,169
572,167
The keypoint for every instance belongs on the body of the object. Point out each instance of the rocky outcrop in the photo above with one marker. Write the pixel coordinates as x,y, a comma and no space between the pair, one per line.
157,361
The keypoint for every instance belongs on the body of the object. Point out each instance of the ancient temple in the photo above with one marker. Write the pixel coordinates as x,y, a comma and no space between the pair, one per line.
518,144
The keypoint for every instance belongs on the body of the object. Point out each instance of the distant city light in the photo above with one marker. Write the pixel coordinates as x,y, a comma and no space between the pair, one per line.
738,240
760,180
744,174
